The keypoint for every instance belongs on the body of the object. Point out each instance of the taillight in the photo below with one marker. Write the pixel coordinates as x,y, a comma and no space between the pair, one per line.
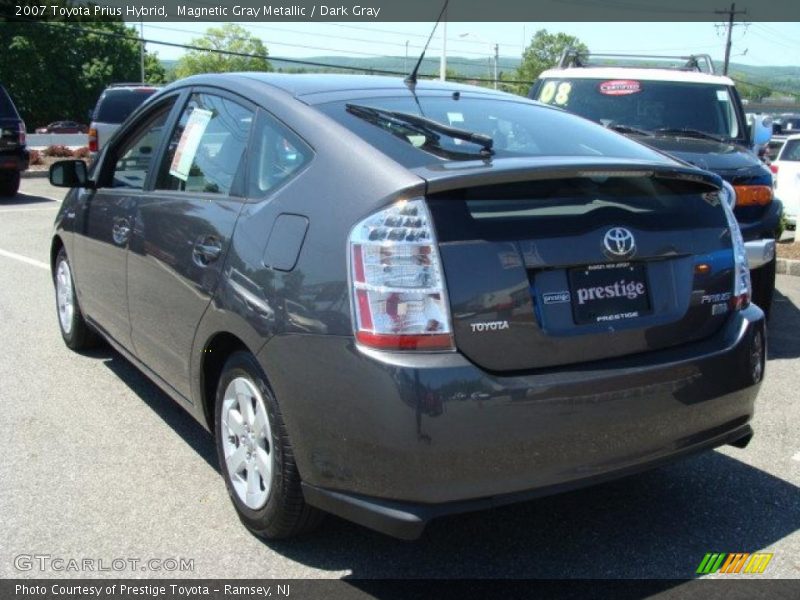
399,296
741,271
21,133
92,139
774,169
753,195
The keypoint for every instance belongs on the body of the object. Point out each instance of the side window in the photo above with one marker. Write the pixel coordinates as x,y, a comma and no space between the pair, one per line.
206,148
133,157
277,153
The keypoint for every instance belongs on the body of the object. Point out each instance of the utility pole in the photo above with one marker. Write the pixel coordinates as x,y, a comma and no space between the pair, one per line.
141,48
732,12
496,58
443,58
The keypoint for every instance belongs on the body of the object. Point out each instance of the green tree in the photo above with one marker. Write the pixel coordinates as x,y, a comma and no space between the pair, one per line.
251,54
542,53
154,71
57,71
749,91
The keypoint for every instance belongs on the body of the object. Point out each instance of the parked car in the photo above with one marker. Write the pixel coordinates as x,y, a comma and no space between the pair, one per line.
63,127
786,124
683,108
14,154
393,301
786,169
113,106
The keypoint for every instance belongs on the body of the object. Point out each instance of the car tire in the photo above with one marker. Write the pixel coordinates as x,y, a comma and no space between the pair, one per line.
763,281
77,333
9,184
251,438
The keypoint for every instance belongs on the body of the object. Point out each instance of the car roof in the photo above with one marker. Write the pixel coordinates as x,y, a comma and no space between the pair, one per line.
636,73
306,84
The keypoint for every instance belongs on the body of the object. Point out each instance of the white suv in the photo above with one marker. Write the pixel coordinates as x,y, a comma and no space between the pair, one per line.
114,105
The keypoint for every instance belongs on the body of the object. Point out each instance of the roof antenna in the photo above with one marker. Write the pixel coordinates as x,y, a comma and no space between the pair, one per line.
411,80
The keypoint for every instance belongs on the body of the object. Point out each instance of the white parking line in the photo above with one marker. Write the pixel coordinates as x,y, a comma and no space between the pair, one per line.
25,259
15,210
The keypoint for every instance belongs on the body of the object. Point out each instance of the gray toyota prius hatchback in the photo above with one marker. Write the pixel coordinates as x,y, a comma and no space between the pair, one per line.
394,300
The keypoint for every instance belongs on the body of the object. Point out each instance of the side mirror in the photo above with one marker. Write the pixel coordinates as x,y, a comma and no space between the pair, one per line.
760,130
69,173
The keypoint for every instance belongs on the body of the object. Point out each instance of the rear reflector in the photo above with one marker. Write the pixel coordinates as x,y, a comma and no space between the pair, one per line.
753,195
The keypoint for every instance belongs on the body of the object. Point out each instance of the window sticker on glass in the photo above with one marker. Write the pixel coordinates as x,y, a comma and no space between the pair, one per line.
620,87
722,96
562,93
189,142
547,93
455,117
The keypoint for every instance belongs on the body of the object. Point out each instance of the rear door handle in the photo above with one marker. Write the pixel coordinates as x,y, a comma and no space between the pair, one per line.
207,251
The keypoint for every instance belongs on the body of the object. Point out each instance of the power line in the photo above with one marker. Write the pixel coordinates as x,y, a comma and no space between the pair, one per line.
248,55
304,46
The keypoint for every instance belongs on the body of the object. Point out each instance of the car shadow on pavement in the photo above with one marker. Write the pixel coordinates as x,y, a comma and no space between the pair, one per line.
657,524
170,412
26,199
783,334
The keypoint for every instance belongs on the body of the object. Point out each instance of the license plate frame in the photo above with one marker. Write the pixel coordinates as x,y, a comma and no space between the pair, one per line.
609,293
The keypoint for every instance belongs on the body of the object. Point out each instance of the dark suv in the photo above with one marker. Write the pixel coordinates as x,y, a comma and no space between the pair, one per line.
13,153
392,301
678,105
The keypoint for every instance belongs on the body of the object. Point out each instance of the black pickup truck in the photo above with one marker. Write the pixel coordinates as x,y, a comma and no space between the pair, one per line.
689,112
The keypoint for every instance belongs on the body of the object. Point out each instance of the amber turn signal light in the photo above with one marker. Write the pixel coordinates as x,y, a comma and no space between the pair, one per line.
753,195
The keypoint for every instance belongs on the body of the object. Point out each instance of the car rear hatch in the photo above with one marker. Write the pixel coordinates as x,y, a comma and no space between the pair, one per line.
10,134
552,263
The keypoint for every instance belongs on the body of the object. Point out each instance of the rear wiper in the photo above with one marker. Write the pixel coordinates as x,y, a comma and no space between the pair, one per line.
686,132
622,128
423,125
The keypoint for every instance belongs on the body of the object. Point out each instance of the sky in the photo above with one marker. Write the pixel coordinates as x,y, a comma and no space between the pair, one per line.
760,44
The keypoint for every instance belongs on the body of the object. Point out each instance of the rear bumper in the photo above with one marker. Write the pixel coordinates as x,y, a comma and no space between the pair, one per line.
14,160
759,252
392,441
407,521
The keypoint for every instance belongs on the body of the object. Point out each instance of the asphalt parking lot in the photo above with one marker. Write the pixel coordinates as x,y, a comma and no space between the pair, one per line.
97,463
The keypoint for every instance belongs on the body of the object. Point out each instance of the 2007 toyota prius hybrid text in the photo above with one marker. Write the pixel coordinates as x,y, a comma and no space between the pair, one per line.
395,300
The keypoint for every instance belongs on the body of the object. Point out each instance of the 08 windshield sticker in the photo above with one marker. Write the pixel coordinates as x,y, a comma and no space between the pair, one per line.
620,87
554,92
189,143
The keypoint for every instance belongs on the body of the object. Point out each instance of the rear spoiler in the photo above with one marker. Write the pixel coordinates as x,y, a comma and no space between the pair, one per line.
450,175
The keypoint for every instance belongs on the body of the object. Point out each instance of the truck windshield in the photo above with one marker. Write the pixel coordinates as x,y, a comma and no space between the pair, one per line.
646,105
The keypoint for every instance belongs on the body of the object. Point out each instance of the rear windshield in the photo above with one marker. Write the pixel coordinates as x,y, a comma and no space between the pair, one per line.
114,106
568,207
518,128
7,108
647,105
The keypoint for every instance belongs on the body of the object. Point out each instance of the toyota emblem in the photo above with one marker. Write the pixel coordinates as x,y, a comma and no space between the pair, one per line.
619,243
